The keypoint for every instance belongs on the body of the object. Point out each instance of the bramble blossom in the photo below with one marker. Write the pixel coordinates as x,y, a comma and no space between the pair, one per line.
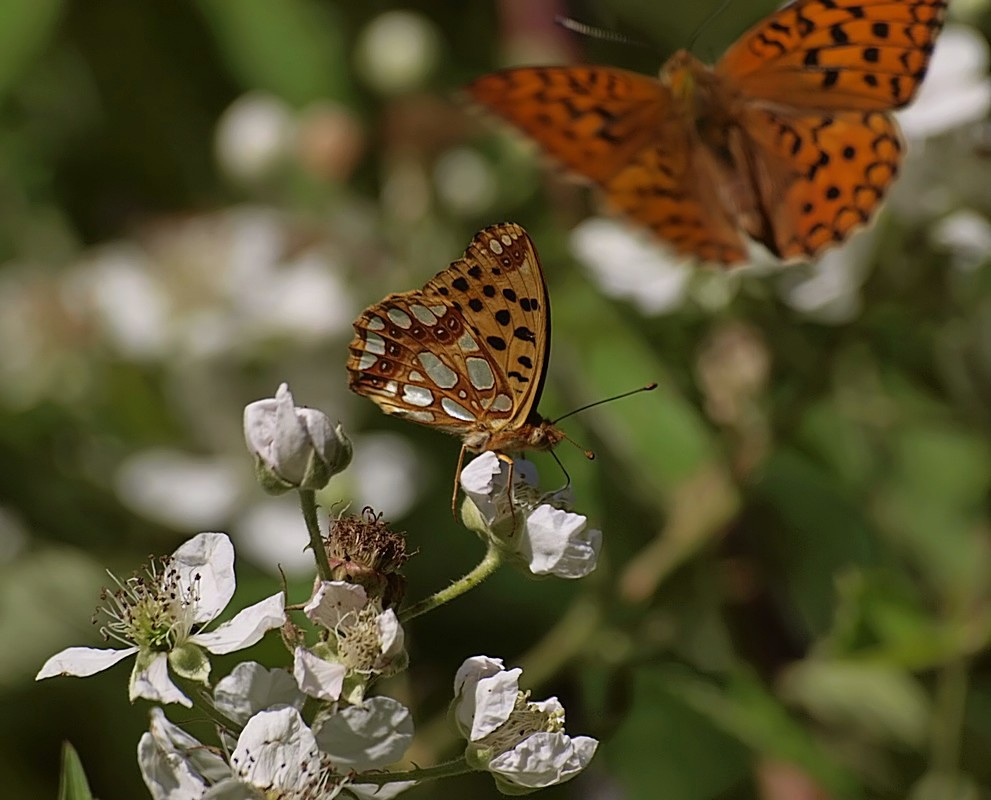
160,617
522,743
552,540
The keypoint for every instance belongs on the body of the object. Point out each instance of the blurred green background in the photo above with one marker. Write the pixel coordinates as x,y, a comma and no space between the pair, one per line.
196,199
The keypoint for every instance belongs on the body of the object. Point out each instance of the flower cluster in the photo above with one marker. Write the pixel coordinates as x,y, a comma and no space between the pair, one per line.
315,729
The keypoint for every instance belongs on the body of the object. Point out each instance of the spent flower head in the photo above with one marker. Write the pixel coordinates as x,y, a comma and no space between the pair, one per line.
534,530
521,742
363,550
294,447
160,617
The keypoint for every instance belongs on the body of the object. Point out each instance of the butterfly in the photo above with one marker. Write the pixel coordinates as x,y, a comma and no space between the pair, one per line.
787,139
466,354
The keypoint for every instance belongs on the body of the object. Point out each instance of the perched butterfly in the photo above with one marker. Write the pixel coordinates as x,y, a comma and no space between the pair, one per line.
787,138
466,354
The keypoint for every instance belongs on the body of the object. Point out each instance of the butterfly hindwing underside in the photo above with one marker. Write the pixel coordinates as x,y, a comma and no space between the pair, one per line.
788,139
468,352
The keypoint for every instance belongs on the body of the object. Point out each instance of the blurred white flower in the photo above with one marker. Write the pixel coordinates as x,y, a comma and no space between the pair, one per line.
828,289
956,89
119,288
397,51
387,473
522,743
465,181
317,677
550,541
160,618
254,136
294,447
271,533
628,265
967,235
178,489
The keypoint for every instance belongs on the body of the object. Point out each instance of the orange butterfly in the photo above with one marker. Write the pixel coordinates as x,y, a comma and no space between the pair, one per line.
786,139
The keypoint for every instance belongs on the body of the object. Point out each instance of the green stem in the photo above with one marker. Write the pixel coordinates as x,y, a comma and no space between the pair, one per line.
308,502
488,565
948,714
456,767
204,703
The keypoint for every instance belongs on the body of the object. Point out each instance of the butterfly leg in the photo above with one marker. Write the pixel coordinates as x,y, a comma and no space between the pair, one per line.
509,486
567,477
457,479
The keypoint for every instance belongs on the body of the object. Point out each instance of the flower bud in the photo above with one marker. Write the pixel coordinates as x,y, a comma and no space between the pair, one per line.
294,448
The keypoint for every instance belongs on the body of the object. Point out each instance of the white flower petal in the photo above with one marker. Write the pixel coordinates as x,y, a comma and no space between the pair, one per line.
484,696
276,750
370,736
171,739
206,564
369,791
82,661
557,542
333,601
956,90
153,683
628,264
485,480
251,688
246,628
544,759
317,677
167,775
391,634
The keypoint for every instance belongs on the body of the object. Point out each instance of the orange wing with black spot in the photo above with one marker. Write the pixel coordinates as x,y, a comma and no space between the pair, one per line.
843,55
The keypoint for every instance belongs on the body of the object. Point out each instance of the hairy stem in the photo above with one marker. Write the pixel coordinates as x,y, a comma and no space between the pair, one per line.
489,564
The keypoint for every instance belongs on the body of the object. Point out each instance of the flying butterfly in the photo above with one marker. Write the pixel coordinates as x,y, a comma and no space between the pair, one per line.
466,354
787,139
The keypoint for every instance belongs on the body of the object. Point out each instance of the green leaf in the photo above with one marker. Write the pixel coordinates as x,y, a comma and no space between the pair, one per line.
26,26
72,779
882,702
664,748
294,48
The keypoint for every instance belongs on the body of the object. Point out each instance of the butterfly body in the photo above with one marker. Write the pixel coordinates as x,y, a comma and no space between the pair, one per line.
787,139
467,354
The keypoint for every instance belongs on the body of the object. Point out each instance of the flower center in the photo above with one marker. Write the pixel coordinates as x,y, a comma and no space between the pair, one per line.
153,610
526,719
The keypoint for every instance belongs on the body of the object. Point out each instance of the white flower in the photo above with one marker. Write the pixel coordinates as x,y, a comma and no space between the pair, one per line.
250,688
174,765
956,90
550,541
522,743
277,755
365,642
293,447
255,136
161,617
628,265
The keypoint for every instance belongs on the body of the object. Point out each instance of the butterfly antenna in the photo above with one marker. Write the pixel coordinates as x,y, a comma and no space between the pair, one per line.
648,388
705,23
592,32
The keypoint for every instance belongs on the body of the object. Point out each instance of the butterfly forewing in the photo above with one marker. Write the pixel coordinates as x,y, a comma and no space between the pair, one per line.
467,353
865,55
594,120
